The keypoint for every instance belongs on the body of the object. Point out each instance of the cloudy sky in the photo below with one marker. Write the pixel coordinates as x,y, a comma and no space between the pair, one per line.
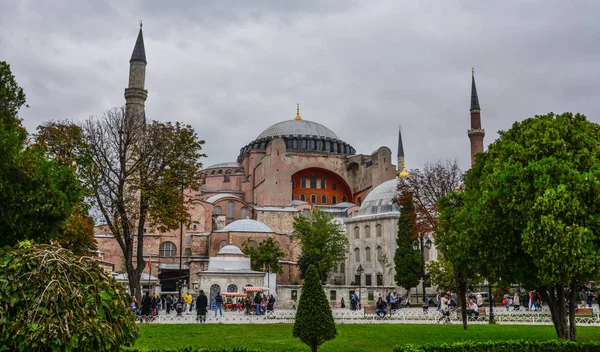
233,68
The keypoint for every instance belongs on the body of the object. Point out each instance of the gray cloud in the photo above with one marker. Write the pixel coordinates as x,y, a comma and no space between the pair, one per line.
232,68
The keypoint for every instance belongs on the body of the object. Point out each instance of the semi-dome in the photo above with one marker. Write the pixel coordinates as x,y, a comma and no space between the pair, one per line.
381,199
231,249
297,128
232,164
246,225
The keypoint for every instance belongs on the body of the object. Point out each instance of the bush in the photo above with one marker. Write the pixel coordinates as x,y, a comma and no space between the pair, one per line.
52,300
504,346
193,349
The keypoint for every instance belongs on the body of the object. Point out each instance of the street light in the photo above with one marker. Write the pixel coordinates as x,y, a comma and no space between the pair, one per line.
416,246
360,270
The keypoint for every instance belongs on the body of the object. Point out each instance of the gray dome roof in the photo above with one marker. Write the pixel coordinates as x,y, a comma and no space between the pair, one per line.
246,225
231,249
380,200
234,164
297,128
217,197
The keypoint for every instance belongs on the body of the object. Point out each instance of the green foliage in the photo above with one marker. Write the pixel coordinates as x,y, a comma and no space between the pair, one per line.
504,346
441,274
314,321
407,260
52,300
322,241
194,349
37,196
267,254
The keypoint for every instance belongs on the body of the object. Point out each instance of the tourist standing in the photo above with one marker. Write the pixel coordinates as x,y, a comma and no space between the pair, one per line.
342,303
146,304
516,302
270,303
201,304
393,301
219,304
257,303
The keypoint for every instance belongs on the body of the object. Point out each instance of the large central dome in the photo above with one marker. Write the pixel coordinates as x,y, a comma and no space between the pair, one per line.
297,128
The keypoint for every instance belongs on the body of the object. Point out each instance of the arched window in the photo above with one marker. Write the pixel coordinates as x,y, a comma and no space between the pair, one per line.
368,254
217,210
305,212
334,200
378,230
343,268
357,255
313,180
313,198
293,184
214,289
324,199
367,231
344,199
379,253
356,233
303,197
303,182
188,252
226,178
232,288
168,249
323,183
244,213
252,244
230,210
222,244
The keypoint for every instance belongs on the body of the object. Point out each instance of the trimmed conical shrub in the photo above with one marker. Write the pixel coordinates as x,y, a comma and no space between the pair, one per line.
314,321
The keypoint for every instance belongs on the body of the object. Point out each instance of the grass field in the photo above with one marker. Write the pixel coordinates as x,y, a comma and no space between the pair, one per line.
278,337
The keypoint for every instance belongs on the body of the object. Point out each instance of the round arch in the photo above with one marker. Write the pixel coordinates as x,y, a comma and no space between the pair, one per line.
326,185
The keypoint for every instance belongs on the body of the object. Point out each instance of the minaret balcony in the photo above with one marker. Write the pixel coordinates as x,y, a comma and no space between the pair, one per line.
475,131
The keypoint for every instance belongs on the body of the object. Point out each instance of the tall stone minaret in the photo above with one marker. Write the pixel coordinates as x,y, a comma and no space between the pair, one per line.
135,94
476,133
402,173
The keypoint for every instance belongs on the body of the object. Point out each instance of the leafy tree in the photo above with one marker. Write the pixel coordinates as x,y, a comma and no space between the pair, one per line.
314,321
267,254
407,260
37,196
441,274
532,205
322,241
52,300
134,172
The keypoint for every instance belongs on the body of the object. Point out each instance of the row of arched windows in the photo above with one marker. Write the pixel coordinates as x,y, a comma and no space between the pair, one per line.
367,254
251,243
244,212
367,231
313,198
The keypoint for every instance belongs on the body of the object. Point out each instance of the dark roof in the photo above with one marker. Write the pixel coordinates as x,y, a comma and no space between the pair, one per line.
400,147
474,97
139,53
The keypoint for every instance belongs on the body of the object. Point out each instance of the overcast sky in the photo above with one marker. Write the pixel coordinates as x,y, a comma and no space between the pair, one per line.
233,68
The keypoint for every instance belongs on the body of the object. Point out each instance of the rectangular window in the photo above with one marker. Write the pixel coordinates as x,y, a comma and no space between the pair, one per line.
379,280
370,296
368,280
188,240
322,183
334,186
303,182
294,295
332,295
313,181
356,280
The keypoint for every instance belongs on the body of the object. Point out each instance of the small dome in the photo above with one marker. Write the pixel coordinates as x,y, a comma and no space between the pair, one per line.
246,225
297,128
344,205
233,164
217,197
381,199
231,249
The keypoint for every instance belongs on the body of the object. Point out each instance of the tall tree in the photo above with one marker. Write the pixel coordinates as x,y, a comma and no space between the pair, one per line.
534,207
267,254
407,259
322,241
314,321
135,173
37,195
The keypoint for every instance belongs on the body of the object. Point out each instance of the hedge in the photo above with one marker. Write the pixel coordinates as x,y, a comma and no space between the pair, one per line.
192,349
504,346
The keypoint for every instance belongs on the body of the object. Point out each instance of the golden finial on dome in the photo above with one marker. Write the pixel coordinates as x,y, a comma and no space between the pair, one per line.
230,239
297,113
403,173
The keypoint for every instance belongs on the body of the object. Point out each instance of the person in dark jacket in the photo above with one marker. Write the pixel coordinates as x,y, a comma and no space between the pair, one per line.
146,304
258,303
381,308
201,304
270,303
219,304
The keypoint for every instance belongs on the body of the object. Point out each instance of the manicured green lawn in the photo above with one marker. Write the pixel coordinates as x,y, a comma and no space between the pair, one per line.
278,337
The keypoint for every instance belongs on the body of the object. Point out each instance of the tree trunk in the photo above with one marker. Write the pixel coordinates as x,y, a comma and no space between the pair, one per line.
572,305
555,296
490,301
314,348
461,289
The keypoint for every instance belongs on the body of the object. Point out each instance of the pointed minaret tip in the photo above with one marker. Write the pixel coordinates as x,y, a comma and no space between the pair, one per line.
139,51
402,173
474,97
298,117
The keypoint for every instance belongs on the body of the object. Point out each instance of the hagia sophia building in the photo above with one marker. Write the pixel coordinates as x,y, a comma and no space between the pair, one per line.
290,168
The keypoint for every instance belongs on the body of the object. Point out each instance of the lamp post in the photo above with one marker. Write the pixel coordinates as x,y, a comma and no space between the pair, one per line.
180,246
360,270
423,244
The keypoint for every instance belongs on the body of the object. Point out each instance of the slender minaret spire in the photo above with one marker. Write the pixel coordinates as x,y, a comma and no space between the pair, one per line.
298,117
476,133
402,173
135,93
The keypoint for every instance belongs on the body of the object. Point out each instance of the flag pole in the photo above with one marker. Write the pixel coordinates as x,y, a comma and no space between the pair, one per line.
150,273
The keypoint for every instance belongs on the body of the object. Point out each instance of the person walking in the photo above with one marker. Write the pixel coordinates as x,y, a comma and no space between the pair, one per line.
257,303
270,303
201,305
393,305
219,304
146,305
